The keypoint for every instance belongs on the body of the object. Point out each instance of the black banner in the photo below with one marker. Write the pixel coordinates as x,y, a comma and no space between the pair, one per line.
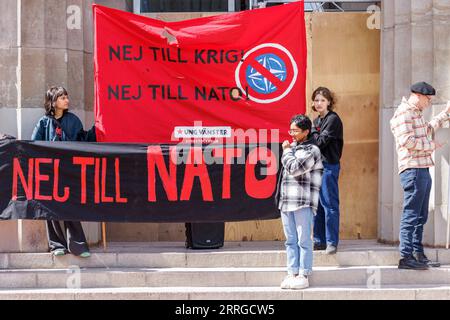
136,182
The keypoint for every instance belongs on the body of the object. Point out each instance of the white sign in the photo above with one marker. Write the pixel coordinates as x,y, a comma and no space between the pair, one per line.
202,132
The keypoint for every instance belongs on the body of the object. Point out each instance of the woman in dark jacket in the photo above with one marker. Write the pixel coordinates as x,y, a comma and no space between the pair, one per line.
58,124
327,131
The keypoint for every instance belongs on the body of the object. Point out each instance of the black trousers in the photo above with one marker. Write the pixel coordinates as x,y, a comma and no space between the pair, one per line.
70,239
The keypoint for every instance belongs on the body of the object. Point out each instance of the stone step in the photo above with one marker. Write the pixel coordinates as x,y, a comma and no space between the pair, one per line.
374,276
415,292
260,254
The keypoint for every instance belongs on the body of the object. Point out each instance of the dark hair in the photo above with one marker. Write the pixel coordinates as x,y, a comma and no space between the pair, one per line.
51,96
327,94
302,122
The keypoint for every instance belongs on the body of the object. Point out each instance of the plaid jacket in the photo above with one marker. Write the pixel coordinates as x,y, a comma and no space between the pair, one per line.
301,177
414,136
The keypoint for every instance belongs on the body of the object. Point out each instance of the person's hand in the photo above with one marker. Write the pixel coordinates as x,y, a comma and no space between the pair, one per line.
286,144
447,109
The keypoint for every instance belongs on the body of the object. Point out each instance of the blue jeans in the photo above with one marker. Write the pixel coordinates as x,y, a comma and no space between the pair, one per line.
416,185
326,222
297,226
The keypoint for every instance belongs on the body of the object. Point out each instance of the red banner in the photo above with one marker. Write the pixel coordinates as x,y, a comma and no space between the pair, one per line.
216,77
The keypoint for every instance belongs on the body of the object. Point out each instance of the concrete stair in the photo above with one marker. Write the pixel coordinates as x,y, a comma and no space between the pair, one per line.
217,277
233,293
239,271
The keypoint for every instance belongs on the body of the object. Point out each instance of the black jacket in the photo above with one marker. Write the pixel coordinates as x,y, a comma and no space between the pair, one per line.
328,134
71,129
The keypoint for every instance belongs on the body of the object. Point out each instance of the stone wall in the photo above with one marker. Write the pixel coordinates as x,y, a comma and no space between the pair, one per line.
38,50
415,47
44,43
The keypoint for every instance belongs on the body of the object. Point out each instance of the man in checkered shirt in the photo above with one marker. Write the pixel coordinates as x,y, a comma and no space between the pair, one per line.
414,138
298,196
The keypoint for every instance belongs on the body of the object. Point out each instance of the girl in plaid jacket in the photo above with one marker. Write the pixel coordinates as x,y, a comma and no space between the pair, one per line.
298,196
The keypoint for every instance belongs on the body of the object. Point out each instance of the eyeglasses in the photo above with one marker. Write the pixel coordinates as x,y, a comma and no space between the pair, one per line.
294,131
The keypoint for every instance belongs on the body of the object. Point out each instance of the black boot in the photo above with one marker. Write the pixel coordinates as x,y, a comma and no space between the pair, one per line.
318,246
421,257
411,263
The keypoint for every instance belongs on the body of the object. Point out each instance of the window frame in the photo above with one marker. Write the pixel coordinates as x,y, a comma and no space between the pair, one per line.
137,6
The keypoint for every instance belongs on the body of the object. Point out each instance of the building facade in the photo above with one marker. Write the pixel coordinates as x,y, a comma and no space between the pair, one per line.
415,47
47,42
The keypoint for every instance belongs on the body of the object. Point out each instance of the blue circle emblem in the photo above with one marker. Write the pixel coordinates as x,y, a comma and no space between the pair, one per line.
273,64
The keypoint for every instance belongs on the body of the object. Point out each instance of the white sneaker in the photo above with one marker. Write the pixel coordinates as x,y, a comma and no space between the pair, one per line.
299,282
286,283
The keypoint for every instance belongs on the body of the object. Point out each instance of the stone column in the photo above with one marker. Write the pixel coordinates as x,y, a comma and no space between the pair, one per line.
8,101
15,235
441,79
415,47
387,151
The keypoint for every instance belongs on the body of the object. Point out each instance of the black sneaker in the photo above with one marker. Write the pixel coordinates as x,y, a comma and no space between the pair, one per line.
411,263
421,257
318,246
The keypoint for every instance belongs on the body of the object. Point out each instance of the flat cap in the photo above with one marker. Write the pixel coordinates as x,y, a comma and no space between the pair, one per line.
423,88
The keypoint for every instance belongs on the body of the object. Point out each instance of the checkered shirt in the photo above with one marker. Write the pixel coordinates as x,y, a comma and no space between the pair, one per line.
302,177
414,137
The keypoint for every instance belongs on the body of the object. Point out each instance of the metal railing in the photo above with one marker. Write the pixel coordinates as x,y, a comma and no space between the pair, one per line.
310,5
